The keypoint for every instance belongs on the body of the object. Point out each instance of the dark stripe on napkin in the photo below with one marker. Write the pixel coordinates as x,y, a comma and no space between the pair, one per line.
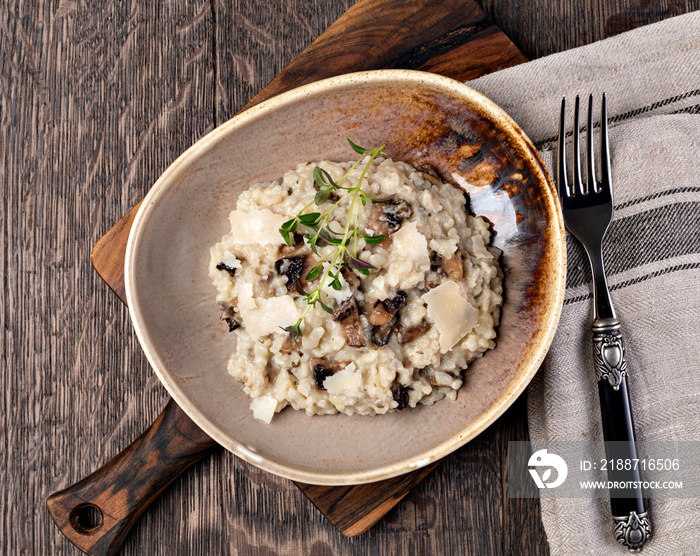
657,234
627,283
653,196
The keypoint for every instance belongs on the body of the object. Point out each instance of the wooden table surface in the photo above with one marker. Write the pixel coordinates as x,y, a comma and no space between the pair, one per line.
96,100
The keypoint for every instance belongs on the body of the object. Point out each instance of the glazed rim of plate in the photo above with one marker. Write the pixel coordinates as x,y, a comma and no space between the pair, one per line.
540,342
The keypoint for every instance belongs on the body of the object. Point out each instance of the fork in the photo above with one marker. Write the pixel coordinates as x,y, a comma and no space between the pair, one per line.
588,211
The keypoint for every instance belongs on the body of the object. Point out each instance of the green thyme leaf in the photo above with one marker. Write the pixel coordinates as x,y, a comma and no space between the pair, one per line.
290,225
288,228
313,273
329,180
321,197
372,240
319,178
312,245
382,200
357,148
310,219
359,264
299,287
319,236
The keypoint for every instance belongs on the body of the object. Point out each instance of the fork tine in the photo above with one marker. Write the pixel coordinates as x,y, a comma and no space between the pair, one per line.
590,174
577,188
605,180
561,153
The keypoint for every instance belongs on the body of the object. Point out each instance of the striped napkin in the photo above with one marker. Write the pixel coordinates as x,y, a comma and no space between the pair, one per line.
652,255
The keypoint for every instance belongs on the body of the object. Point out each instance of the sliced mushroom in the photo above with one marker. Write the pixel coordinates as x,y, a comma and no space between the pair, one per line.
229,269
227,308
294,268
351,278
233,323
452,267
382,334
348,316
385,218
405,334
380,315
272,372
345,310
395,212
436,262
323,368
289,346
400,393
383,318
384,311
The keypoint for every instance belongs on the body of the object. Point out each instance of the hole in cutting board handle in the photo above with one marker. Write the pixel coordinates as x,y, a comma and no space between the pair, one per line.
86,518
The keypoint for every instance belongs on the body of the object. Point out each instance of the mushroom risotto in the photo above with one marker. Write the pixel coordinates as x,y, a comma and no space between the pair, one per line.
360,287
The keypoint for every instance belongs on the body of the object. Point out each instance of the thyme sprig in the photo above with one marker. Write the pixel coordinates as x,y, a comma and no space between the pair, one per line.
318,232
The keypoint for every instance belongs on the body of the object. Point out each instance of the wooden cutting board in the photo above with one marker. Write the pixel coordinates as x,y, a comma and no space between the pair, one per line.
450,37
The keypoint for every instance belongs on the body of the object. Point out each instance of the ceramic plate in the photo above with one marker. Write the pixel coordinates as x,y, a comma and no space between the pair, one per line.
423,118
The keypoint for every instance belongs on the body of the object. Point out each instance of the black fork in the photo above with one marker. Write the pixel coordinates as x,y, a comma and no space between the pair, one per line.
588,211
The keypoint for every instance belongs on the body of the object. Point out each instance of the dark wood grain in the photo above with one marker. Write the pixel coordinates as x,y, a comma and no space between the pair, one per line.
112,498
542,27
523,532
96,100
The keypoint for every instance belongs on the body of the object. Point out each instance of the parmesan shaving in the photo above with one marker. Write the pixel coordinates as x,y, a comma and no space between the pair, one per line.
269,316
347,382
264,408
230,260
412,244
453,315
256,226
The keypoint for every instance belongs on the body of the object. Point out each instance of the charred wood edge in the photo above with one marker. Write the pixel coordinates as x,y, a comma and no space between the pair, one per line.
449,41
355,508
119,491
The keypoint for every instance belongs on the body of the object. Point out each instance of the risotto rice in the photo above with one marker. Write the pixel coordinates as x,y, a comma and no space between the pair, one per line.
400,336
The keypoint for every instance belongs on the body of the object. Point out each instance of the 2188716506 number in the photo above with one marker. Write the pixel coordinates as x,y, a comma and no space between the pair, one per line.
659,464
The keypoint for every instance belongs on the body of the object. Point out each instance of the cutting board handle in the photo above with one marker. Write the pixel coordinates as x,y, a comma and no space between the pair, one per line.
96,513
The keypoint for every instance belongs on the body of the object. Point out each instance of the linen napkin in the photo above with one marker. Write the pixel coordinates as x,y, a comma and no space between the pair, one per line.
652,254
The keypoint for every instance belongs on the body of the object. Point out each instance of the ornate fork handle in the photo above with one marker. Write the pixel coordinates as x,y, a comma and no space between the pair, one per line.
609,352
630,518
